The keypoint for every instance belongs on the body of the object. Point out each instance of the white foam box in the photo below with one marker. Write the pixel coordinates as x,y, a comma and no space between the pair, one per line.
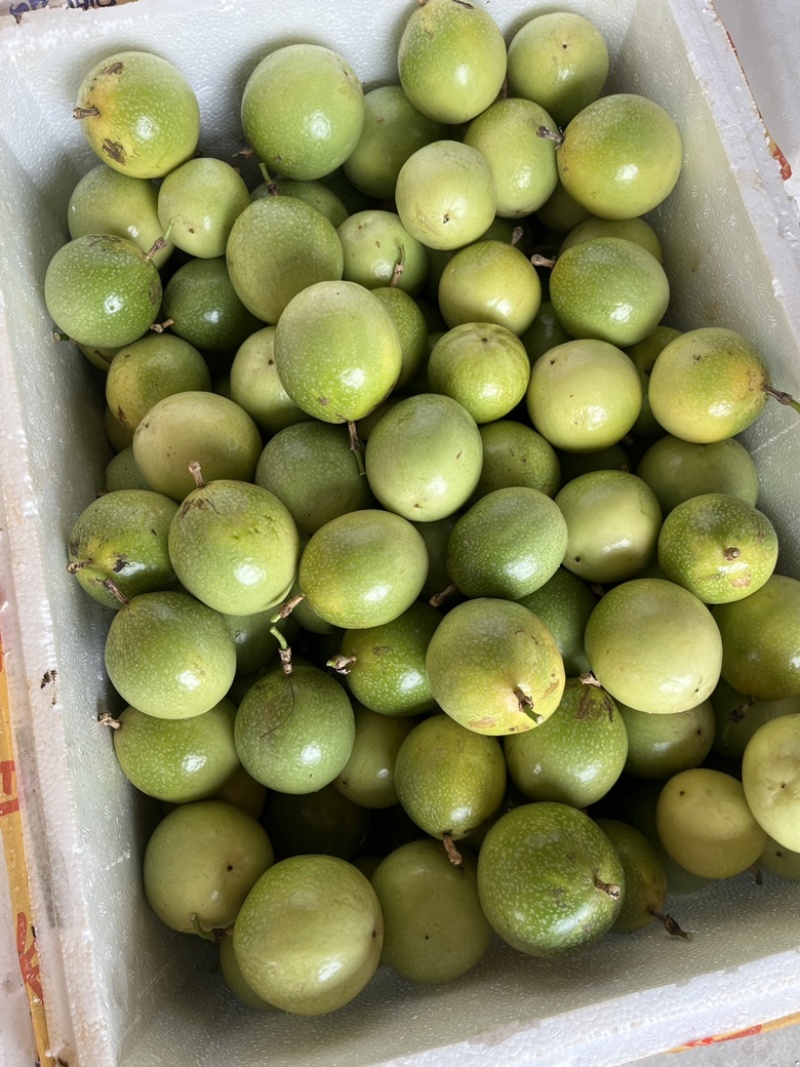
120,989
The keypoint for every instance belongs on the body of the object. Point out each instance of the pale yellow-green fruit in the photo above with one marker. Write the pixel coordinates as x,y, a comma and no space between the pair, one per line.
309,935
303,110
771,779
198,204
139,114
705,824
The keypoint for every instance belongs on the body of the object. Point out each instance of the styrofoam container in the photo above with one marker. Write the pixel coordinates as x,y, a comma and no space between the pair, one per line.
120,989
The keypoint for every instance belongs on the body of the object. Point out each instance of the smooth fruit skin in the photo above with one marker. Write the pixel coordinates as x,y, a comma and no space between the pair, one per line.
206,308
363,569
445,194
149,118
495,667
451,60
677,470
654,646
105,201
509,543
662,745
636,230
424,457
122,537
705,824
621,156
576,755
435,930
375,245
492,282
102,291
199,202
583,395
645,877
234,546
294,732
337,351
761,640
771,779
277,247
549,880
367,779
169,655
153,367
515,454
560,60
202,860
564,605
449,780
177,760
309,935
303,110
718,547
707,385
609,288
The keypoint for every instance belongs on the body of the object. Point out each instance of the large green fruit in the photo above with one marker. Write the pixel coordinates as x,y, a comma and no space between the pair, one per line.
495,667
549,880
102,290
139,114
302,110
309,935
771,779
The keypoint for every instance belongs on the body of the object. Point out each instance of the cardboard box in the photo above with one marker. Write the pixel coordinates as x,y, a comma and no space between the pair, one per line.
120,990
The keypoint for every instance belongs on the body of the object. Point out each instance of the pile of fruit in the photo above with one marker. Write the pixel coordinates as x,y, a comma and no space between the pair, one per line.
400,633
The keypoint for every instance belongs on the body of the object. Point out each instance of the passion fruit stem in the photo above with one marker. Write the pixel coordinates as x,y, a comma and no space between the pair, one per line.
516,236
107,719
609,888
670,925
549,135
355,446
57,336
272,185
755,870
399,267
525,705
732,553
341,663
243,153
741,709
217,934
590,679
453,854
115,590
159,327
285,656
196,472
542,261
84,112
783,398
438,599
159,244
284,611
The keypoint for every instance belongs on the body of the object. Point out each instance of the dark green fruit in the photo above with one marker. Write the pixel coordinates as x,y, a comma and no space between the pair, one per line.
294,732
564,604
119,293
549,880
119,544
368,776
385,664
645,877
325,821
205,308
169,655
576,755
515,454
509,543
662,745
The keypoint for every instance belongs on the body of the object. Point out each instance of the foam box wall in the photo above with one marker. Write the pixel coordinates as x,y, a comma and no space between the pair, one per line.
120,989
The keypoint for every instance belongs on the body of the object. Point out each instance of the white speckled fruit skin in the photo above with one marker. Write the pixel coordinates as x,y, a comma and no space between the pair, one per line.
121,992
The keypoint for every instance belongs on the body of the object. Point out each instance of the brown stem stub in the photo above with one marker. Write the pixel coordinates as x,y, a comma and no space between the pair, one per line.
288,606
159,327
341,663
741,709
732,553
525,705
285,656
453,854
84,112
609,888
549,135
106,719
399,267
542,261
115,590
589,679
438,599
197,473
670,925
516,236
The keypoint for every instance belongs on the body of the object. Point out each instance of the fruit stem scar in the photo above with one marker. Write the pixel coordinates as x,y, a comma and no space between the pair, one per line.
541,261
438,599
783,398
453,854
284,611
159,327
549,135
84,112
399,267
741,709
197,473
525,704
115,590
106,719
516,236
732,553
670,925
609,888
590,679
341,663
